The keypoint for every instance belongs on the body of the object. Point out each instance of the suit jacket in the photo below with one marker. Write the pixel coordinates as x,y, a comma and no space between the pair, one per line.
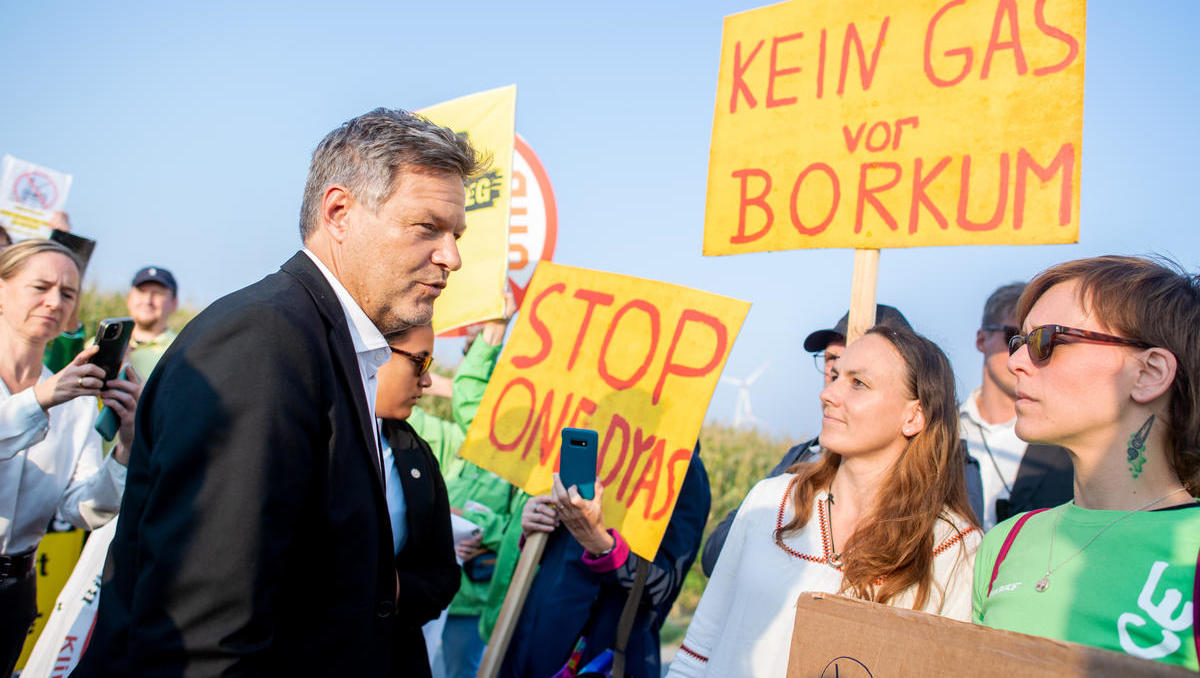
254,536
426,566
1045,478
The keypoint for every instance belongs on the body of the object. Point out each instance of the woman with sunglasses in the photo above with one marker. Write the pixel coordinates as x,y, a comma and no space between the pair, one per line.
1109,368
426,571
882,515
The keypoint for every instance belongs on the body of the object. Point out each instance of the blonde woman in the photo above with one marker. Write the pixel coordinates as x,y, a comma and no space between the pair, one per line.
50,455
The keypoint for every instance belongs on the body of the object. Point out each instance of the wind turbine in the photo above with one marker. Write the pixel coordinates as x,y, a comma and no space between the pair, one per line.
742,413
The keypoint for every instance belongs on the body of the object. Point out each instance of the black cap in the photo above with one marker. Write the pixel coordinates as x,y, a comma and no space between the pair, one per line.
156,274
884,315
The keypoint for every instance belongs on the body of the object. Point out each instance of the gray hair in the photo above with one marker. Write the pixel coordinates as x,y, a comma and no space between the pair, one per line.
1002,304
14,257
365,154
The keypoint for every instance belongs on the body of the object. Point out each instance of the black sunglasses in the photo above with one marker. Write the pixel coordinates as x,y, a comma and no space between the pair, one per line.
1041,340
1009,331
421,360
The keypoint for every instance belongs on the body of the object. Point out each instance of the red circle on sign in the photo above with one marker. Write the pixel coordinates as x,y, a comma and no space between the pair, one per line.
35,189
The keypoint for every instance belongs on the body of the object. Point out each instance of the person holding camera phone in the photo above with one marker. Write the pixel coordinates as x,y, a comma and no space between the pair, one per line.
50,454
586,574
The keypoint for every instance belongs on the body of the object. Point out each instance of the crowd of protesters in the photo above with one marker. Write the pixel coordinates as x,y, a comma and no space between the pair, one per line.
287,507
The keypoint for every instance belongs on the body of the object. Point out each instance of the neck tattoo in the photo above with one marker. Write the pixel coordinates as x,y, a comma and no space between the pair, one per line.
1136,452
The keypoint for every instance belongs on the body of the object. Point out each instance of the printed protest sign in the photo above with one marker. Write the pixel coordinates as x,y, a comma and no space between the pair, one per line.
29,195
475,292
633,359
873,124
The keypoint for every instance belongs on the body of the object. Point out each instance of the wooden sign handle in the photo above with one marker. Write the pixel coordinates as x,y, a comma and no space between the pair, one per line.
514,600
862,293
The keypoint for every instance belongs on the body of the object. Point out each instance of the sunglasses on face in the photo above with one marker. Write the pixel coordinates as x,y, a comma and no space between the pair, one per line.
1041,340
421,360
1009,331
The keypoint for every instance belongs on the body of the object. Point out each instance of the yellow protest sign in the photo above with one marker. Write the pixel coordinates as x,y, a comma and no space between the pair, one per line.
56,557
633,359
874,124
475,292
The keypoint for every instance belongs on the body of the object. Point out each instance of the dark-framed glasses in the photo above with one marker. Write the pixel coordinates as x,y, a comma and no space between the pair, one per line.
421,360
1009,331
824,360
1041,340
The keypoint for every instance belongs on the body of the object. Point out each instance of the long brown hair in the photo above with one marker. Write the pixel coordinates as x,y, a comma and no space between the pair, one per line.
892,549
1153,300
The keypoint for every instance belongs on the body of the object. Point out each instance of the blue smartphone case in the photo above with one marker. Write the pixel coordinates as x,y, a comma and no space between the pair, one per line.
577,460
107,422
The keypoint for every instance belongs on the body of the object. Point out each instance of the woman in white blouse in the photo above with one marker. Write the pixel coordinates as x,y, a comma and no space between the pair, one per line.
51,460
881,516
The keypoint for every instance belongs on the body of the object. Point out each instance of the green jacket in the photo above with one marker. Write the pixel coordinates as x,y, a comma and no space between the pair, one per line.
483,496
62,349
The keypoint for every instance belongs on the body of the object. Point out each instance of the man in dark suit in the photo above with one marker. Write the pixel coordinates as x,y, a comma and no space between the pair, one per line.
1017,477
254,536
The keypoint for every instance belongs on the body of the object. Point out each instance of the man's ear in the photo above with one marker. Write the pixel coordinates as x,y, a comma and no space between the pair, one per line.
335,212
1155,373
980,339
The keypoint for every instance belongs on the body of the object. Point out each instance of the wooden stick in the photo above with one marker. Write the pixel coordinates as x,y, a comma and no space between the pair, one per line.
862,293
514,600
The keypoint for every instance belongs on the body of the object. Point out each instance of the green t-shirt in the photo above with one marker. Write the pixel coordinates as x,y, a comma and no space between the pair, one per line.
1130,590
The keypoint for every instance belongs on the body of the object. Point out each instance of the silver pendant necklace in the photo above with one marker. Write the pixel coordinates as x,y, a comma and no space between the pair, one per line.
1044,583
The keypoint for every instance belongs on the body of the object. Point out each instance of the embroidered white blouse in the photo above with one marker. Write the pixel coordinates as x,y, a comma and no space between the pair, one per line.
52,462
743,625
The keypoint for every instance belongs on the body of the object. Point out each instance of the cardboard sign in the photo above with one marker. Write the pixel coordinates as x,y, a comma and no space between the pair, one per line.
29,195
475,292
873,124
846,638
633,359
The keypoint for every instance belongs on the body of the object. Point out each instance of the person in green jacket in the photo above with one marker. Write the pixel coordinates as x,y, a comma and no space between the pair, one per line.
477,495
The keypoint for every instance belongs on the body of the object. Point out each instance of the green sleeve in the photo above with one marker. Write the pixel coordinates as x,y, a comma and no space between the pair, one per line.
985,562
444,437
506,564
62,349
471,380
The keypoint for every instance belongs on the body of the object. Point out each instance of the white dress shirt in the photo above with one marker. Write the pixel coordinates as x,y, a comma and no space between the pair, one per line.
997,449
370,347
52,462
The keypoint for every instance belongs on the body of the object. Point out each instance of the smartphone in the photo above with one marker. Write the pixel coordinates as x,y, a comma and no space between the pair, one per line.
577,460
113,338
107,422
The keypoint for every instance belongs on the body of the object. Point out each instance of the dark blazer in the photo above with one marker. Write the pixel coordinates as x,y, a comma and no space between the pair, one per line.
1045,478
809,451
426,566
254,536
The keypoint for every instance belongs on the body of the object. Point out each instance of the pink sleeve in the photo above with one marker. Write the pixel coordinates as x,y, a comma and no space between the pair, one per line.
613,559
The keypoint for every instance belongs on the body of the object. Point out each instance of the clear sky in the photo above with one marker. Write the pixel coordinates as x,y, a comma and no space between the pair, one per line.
188,127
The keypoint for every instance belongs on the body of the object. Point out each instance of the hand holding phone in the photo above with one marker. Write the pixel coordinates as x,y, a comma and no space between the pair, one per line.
112,340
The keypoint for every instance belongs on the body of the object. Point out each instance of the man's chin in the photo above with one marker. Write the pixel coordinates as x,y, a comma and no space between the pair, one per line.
398,319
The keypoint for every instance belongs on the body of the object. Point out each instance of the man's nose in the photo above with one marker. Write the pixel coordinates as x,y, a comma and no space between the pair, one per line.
447,254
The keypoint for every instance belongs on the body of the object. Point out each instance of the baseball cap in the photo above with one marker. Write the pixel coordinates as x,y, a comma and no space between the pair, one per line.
884,315
156,274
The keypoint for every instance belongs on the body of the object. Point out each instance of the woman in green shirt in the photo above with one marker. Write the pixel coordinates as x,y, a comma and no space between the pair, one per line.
1109,368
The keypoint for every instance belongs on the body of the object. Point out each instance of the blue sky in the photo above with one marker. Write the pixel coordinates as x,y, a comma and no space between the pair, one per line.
188,126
